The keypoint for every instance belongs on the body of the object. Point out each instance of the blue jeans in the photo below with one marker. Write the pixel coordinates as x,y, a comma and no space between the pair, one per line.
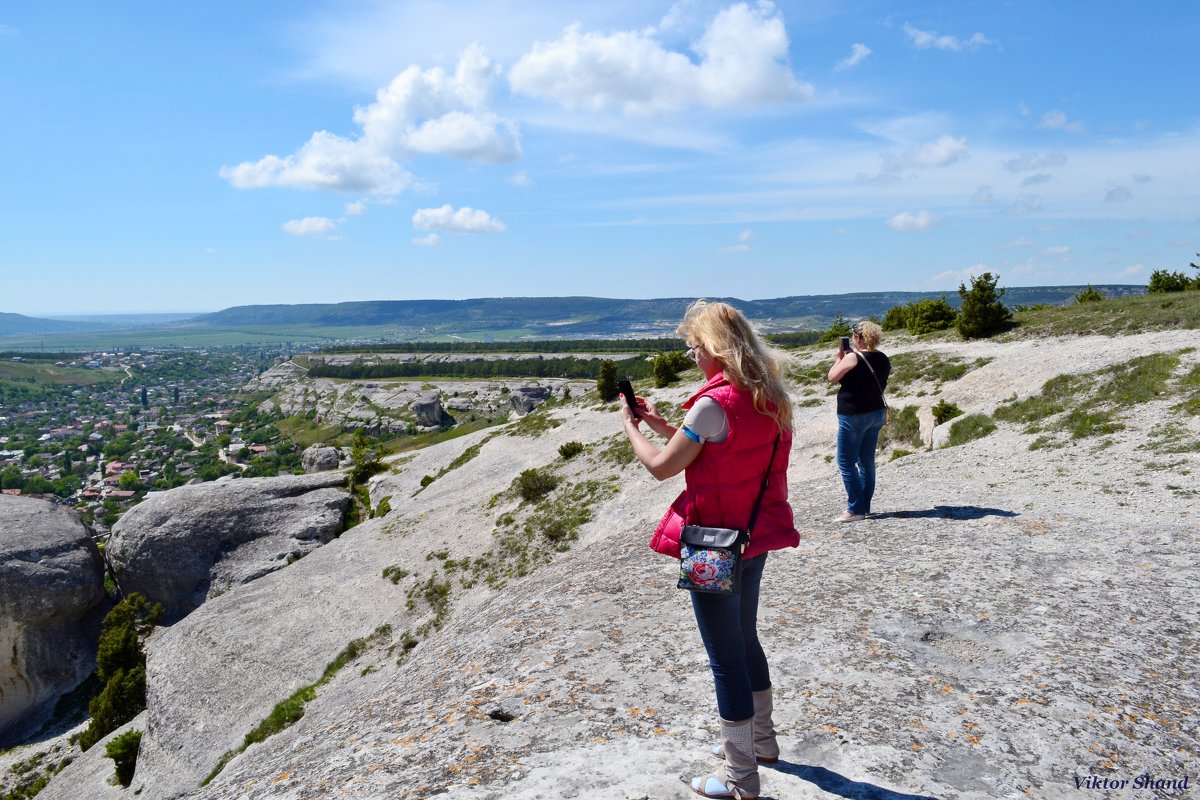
728,626
858,436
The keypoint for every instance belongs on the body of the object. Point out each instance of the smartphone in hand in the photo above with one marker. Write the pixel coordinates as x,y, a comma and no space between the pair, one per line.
845,344
626,390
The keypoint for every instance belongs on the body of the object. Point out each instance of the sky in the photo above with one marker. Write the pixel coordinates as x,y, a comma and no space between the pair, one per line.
194,156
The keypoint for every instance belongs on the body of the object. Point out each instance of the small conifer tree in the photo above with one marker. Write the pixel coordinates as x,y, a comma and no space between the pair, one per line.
606,380
982,313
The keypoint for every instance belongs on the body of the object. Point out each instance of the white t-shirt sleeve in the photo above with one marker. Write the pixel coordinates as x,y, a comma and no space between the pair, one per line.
707,420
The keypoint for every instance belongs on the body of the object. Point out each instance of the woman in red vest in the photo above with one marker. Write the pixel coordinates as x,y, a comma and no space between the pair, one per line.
723,448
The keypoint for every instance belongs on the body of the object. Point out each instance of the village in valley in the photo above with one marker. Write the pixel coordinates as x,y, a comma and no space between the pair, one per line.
97,431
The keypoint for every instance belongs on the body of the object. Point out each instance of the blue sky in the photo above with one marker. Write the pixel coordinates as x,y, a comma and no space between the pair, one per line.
195,156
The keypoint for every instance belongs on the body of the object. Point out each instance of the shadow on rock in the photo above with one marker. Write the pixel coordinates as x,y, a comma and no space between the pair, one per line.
946,512
830,781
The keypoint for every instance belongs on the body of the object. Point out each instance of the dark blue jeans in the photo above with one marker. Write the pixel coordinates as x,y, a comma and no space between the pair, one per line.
729,629
858,436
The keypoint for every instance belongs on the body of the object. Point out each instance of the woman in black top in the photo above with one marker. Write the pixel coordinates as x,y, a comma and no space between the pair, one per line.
863,373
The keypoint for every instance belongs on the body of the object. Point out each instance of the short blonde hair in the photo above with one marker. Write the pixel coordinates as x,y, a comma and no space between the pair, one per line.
748,363
871,333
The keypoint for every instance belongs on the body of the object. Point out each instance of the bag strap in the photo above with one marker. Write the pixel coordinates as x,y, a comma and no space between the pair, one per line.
763,490
863,358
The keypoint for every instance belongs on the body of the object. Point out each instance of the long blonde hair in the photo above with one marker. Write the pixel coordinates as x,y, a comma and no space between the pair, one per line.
749,364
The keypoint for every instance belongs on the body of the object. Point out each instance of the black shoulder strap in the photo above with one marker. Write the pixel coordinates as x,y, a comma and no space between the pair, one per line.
763,490
863,358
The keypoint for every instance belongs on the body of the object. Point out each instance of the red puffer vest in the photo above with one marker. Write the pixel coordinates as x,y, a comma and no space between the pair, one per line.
724,480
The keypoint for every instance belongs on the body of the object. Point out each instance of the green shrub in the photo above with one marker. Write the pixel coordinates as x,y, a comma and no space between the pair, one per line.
668,365
929,315
896,318
534,484
1162,280
969,428
838,328
944,412
121,667
982,313
569,450
366,456
1089,295
905,427
123,750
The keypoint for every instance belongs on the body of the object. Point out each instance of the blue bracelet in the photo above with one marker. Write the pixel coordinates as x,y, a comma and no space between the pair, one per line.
691,434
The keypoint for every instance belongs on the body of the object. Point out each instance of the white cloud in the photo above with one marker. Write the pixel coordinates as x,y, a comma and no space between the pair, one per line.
464,220
743,245
741,62
1057,250
210,250
432,240
1139,233
1034,180
983,195
1029,162
326,161
943,152
1025,205
1118,194
952,278
1020,241
309,226
1140,178
356,209
924,40
6,30
1057,120
520,179
858,53
419,112
907,222
433,112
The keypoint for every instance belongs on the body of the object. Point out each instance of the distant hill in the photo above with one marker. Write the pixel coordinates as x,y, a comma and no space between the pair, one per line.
596,316
21,325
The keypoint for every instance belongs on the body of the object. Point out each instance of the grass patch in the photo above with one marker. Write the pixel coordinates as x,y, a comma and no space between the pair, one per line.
904,429
463,458
534,424
617,450
1091,404
290,711
969,428
927,367
1112,317
549,526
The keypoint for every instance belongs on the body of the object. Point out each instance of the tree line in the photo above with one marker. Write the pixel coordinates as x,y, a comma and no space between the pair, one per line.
537,367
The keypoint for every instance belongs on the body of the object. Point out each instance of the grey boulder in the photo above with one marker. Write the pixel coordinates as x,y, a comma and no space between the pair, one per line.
429,412
527,398
185,545
52,600
320,458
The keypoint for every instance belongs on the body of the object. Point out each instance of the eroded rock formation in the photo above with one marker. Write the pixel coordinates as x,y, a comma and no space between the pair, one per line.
181,546
51,602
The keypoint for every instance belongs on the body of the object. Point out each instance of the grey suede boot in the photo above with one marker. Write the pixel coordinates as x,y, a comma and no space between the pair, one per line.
738,776
766,748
